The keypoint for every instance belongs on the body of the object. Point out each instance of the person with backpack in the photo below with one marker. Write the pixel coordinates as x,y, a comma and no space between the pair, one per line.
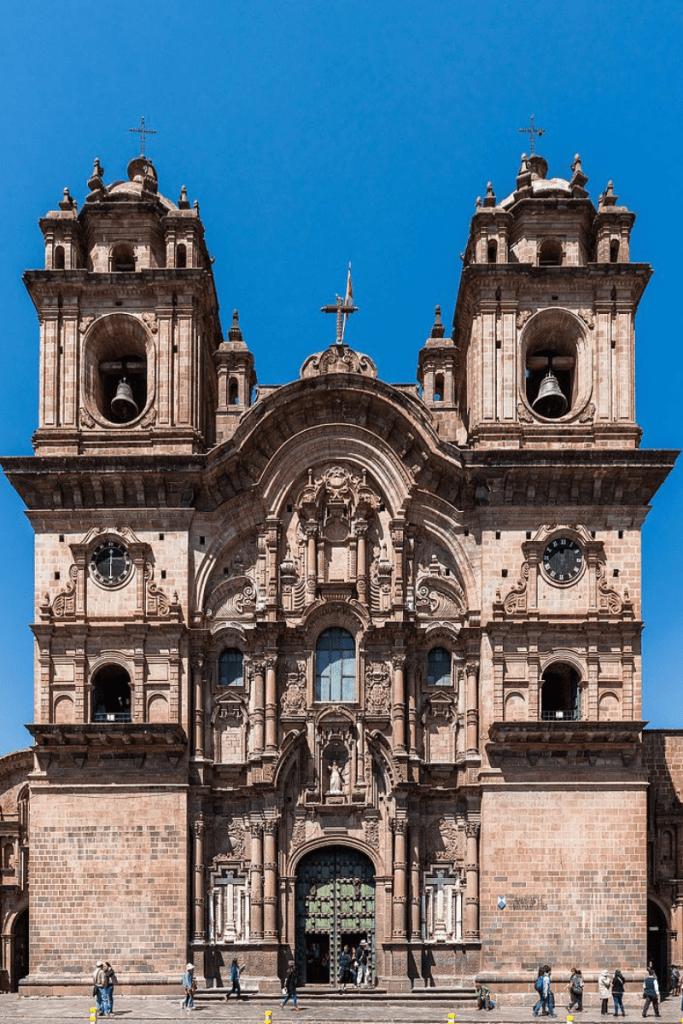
651,993
546,1001
289,987
618,993
575,987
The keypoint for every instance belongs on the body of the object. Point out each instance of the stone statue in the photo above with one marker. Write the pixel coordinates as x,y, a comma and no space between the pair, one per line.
335,778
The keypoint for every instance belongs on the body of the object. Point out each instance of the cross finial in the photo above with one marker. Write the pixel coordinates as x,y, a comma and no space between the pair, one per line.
532,132
343,308
142,131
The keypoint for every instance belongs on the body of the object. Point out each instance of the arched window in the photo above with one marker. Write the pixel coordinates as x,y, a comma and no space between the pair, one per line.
181,257
111,695
59,257
439,667
233,392
123,258
335,666
560,693
492,251
614,251
438,388
550,253
231,668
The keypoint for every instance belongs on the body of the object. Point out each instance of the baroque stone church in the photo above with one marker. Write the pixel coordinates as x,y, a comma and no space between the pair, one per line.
338,660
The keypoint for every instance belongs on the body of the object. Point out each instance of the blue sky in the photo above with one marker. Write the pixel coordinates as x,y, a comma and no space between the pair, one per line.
313,133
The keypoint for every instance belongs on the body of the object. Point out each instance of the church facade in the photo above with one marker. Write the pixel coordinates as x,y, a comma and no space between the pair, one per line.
338,660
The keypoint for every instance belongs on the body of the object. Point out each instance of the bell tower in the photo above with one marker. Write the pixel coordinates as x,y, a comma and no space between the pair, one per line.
127,307
545,316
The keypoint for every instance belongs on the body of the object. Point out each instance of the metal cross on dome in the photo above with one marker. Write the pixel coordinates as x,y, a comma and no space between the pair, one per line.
532,132
343,308
142,131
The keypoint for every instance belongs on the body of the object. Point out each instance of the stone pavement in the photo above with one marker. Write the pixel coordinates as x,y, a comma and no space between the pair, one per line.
409,1010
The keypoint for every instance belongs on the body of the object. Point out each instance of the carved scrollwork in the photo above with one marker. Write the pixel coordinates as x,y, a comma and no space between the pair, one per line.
609,600
444,840
522,317
588,317
64,604
523,414
371,831
293,700
338,359
150,322
157,603
516,600
378,690
85,419
588,414
235,598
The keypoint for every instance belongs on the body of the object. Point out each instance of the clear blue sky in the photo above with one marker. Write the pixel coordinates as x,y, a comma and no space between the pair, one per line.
313,133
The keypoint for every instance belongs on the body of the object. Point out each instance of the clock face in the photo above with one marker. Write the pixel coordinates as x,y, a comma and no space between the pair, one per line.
110,563
562,560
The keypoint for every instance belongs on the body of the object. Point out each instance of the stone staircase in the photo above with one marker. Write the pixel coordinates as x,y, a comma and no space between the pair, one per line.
316,993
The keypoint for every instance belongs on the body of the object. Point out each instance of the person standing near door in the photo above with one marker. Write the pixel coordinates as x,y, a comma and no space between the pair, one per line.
363,962
344,968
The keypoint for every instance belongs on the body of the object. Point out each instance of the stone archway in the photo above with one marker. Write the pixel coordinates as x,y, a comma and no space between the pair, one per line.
334,907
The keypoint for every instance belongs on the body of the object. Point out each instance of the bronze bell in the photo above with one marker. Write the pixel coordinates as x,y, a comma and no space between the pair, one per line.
550,400
123,404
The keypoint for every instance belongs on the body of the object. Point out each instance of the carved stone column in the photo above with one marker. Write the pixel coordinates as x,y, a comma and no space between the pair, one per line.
361,528
311,531
399,701
472,892
271,703
198,926
399,826
270,932
256,922
411,669
415,883
257,709
198,710
471,671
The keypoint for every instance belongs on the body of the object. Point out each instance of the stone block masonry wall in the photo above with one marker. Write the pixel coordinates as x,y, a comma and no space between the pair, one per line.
108,879
570,861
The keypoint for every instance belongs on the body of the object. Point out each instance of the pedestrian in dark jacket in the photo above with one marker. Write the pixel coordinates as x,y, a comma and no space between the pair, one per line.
651,993
618,993
575,987
290,986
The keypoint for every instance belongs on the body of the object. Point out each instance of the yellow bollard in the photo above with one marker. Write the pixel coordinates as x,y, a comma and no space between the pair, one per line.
451,1018
569,1019
93,1014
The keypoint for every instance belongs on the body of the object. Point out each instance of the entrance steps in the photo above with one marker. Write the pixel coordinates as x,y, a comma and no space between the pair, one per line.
327,993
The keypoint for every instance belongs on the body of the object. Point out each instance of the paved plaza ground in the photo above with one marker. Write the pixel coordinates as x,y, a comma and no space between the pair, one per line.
410,1010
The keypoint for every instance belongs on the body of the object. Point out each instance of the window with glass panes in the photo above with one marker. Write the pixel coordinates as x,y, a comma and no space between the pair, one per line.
439,667
335,666
230,666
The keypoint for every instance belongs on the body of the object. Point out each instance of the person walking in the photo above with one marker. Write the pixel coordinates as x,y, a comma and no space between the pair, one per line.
575,987
189,984
546,1001
604,982
289,986
651,993
618,993
102,994
235,970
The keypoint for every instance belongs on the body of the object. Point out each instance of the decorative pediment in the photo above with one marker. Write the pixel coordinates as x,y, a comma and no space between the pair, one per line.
338,359
440,705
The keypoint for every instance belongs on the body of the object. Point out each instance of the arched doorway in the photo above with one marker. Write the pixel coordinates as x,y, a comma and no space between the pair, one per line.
335,907
657,944
20,961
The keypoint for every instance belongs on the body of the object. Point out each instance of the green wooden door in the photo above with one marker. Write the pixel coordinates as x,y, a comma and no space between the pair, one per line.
335,906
